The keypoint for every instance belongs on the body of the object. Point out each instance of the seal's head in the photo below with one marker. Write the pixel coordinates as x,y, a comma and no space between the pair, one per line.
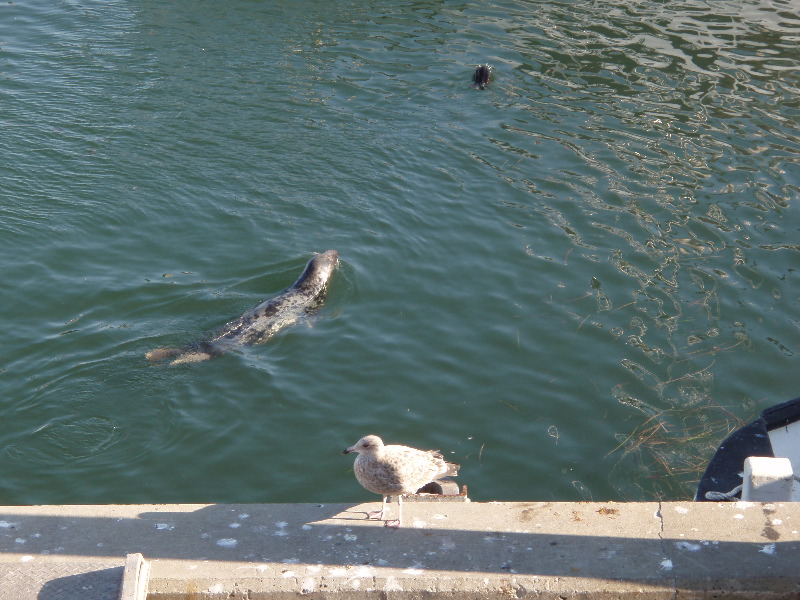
481,76
329,255
324,263
318,271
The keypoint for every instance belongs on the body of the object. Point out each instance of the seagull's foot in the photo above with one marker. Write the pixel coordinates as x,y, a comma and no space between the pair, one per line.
394,524
375,514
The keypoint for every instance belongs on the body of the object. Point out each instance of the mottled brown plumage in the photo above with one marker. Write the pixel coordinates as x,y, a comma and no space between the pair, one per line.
396,470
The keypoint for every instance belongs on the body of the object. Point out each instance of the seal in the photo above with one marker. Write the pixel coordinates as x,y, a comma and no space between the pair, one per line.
261,322
481,76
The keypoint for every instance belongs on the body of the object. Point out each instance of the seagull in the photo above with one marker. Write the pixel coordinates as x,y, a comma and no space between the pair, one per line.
396,471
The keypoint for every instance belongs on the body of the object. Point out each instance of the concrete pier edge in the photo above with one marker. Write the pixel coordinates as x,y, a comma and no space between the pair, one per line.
507,550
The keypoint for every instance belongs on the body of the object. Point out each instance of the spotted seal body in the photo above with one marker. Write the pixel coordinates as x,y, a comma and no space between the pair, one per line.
261,322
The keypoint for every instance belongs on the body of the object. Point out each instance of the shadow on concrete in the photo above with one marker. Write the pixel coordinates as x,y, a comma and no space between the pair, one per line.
95,585
340,535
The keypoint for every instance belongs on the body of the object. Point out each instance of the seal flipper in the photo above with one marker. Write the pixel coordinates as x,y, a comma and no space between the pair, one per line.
160,354
190,357
197,352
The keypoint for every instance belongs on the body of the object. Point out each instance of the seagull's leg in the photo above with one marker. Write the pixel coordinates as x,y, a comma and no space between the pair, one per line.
378,514
395,524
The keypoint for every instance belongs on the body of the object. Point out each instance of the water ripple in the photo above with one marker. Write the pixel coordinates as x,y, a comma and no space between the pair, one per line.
601,244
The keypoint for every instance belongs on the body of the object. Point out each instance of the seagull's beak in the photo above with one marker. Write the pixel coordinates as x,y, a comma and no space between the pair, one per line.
347,451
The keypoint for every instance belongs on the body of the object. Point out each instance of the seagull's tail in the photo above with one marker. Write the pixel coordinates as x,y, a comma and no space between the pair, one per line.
452,469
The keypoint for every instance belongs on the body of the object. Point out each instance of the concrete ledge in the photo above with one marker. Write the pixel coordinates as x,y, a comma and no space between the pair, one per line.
502,550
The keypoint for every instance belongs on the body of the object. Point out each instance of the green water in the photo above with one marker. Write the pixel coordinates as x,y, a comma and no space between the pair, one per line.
573,283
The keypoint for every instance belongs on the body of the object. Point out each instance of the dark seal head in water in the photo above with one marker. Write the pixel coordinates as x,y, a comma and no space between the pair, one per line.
481,76
261,322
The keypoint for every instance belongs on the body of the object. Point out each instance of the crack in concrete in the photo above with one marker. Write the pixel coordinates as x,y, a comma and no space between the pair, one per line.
667,564
660,516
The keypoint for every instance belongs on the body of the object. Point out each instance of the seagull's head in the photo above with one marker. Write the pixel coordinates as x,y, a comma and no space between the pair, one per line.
368,444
